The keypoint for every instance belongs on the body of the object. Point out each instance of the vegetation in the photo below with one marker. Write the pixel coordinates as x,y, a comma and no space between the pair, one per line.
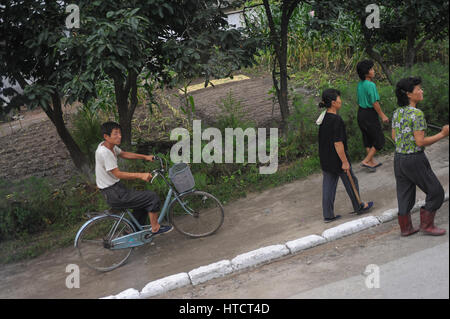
114,75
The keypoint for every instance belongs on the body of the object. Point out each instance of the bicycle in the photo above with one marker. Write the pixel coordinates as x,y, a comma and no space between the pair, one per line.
193,213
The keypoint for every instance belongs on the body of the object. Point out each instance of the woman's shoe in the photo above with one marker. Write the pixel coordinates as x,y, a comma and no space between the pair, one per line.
427,223
406,226
329,220
365,209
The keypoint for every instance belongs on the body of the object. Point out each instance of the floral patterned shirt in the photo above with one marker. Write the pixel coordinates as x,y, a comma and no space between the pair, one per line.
405,121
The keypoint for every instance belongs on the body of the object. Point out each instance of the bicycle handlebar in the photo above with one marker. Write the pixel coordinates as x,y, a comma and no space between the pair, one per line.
160,161
156,172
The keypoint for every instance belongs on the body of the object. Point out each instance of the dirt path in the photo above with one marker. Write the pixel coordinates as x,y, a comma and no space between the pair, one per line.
256,101
271,217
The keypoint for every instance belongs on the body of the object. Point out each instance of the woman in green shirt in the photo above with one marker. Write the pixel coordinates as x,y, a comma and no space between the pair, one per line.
369,113
411,166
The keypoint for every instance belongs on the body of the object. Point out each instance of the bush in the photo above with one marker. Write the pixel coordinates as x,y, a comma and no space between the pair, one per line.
87,132
301,139
435,78
32,205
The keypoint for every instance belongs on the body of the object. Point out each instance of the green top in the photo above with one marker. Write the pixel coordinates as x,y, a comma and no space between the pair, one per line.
367,94
405,121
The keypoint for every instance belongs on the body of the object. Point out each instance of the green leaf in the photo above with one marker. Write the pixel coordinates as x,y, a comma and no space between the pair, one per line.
191,101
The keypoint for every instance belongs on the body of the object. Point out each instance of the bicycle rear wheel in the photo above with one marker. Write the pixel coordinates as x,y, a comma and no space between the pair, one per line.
94,243
198,215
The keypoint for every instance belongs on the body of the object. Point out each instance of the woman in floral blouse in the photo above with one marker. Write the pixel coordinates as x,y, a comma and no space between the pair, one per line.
411,166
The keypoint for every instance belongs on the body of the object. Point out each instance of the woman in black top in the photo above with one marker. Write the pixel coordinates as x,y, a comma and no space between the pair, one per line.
334,159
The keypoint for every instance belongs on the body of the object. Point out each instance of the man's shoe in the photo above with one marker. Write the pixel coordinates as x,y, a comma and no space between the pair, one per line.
329,220
365,209
427,223
406,226
163,230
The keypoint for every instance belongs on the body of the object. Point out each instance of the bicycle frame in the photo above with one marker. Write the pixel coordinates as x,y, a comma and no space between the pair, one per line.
141,236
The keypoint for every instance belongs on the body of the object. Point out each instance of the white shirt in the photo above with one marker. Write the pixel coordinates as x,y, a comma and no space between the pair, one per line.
105,161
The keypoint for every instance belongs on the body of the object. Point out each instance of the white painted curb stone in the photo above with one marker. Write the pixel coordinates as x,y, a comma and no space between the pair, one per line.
259,256
130,293
388,215
304,243
350,227
215,270
165,284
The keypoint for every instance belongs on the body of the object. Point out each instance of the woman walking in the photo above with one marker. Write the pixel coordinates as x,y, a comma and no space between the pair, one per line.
411,165
334,158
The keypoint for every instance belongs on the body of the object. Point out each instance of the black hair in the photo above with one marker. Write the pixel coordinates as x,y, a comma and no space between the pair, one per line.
328,96
404,86
363,68
107,127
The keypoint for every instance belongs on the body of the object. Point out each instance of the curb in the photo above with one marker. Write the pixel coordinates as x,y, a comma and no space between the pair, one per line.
259,256
350,227
205,273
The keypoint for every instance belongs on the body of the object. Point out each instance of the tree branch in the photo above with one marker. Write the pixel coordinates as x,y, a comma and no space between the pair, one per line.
273,33
429,36
292,8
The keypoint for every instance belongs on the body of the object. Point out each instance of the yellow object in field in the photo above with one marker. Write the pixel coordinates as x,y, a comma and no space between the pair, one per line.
200,86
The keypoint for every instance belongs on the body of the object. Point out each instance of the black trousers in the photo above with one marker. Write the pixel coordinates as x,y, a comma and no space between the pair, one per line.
141,202
413,170
329,186
370,127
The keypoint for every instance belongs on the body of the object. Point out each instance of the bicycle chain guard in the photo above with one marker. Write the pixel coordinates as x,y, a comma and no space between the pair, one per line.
132,240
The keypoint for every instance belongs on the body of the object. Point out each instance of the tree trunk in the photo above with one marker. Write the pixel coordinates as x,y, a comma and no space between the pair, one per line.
378,58
280,43
282,60
125,123
410,46
78,158
125,109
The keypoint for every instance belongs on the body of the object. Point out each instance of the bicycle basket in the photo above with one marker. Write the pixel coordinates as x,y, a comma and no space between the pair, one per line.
181,177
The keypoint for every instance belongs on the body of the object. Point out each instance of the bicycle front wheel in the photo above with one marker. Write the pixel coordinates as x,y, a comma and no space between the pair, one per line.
196,214
94,243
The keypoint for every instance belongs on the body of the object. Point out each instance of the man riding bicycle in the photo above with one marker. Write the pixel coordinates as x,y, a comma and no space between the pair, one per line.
108,178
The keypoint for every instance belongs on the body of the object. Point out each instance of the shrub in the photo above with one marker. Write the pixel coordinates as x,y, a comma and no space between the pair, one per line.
32,205
87,132
435,78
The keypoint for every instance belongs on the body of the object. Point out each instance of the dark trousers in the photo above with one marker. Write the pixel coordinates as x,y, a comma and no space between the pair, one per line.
329,187
372,132
141,202
413,170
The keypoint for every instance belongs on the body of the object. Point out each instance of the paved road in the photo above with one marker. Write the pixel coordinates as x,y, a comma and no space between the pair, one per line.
420,275
411,267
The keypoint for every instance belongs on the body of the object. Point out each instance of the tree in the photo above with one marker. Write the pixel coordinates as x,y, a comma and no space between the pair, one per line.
414,21
29,56
279,41
122,39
